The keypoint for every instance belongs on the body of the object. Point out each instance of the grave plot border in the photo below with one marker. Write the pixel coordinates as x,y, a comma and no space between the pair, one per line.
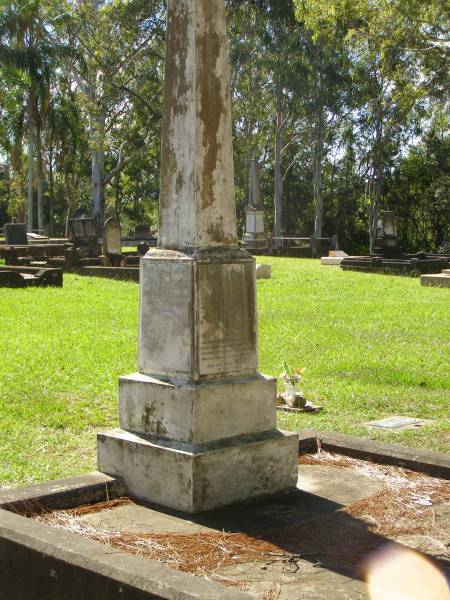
38,561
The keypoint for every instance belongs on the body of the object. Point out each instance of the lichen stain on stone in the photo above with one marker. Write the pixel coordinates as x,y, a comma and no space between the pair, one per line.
176,92
147,416
179,182
212,107
215,230
160,429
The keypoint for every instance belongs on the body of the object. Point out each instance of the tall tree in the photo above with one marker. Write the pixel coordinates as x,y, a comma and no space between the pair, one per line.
118,45
28,44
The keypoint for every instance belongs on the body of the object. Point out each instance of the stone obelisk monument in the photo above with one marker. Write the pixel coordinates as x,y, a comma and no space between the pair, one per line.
198,422
254,235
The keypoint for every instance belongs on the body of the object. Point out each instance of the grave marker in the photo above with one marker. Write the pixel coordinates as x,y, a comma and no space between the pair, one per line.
16,234
112,241
198,422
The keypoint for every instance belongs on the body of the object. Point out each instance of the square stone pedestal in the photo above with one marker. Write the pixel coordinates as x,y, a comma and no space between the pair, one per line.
197,413
198,314
198,477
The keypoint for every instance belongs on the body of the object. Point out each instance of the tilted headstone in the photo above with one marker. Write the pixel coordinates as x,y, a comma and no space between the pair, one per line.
16,234
198,422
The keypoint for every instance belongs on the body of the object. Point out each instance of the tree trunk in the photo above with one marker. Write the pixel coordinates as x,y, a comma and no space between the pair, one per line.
278,175
319,132
97,129
376,192
51,217
317,176
30,182
40,182
98,190
71,201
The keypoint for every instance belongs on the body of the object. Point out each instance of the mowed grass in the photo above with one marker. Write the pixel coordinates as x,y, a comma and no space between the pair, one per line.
373,346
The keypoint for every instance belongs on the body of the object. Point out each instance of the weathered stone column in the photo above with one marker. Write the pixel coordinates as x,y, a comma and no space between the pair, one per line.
198,422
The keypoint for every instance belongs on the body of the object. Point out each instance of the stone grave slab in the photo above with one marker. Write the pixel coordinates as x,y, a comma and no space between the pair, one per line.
439,280
397,423
331,261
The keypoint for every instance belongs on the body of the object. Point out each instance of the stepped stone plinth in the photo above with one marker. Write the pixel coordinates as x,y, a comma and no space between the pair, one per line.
198,422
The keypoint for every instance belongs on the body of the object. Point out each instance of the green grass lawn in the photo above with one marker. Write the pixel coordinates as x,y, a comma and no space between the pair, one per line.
373,346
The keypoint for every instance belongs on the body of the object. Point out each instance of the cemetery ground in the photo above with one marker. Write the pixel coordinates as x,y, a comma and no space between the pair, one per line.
373,346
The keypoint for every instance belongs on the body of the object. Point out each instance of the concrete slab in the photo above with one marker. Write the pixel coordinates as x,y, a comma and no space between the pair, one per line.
301,580
38,562
397,423
338,253
441,280
321,490
120,273
332,487
338,485
331,261
62,565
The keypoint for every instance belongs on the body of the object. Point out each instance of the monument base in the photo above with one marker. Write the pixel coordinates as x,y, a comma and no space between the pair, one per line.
197,413
254,241
195,478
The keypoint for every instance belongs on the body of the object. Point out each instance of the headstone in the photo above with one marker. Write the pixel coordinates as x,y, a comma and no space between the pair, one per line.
16,234
81,213
387,243
112,238
82,231
143,248
142,232
82,234
198,422
255,235
263,271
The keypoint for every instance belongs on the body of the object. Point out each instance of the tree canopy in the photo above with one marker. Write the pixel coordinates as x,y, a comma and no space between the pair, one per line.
344,102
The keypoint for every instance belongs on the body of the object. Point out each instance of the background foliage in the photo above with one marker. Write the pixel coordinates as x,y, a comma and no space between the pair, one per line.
344,102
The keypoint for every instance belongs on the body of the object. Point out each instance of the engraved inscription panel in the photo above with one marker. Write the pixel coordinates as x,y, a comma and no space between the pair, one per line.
227,319
165,330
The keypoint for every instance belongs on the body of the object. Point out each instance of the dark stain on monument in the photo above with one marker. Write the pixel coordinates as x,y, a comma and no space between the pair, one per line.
212,106
176,91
